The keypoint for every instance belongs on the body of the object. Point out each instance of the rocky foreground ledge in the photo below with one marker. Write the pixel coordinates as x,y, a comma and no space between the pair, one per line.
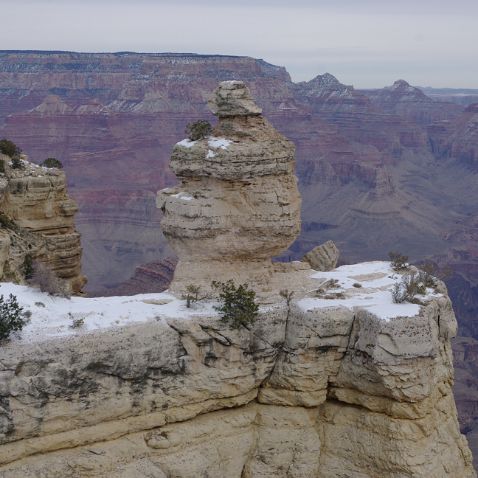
341,382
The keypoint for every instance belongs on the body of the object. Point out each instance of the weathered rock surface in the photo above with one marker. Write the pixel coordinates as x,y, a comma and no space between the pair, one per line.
362,167
465,359
311,391
238,204
39,222
233,99
323,257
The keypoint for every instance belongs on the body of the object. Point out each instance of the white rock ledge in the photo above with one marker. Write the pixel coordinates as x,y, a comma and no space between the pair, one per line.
326,391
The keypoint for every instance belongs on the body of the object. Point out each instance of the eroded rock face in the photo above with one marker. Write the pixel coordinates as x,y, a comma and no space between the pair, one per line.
238,203
311,391
39,222
233,99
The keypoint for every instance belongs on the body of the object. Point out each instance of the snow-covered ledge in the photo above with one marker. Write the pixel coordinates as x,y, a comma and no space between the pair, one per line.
147,385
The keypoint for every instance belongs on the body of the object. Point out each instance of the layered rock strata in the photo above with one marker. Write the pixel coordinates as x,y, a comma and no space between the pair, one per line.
238,203
318,388
332,380
38,221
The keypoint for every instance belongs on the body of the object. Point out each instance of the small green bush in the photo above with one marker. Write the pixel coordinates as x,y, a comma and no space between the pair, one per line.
399,261
9,148
52,163
237,304
198,130
13,151
11,316
17,163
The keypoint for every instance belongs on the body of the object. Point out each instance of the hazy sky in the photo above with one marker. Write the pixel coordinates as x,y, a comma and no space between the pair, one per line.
366,43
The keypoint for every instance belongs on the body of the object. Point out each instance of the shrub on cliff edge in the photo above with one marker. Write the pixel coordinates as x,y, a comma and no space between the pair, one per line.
399,261
11,316
9,148
198,130
237,304
13,151
411,285
52,163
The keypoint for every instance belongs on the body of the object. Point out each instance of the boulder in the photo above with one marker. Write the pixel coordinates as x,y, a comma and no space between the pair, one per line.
323,257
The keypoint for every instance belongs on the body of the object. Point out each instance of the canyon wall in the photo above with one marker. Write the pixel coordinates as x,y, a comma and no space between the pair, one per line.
372,157
389,161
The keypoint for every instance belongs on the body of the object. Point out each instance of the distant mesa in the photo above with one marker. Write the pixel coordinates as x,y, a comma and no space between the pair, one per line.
52,105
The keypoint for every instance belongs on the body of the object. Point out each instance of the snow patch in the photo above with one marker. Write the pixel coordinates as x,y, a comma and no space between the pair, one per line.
186,143
182,195
216,143
210,154
378,303
53,316
374,294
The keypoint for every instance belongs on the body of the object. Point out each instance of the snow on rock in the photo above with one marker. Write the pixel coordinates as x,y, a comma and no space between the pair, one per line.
182,195
374,294
186,143
216,143
53,316
213,142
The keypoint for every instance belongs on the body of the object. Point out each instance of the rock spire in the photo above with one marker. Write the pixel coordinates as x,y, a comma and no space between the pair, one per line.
238,204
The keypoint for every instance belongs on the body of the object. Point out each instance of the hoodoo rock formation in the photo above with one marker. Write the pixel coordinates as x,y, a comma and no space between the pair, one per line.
238,203
38,221
336,381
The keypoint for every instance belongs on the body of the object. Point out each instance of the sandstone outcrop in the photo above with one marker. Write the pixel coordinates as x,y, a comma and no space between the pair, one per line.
38,221
318,388
323,257
238,204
